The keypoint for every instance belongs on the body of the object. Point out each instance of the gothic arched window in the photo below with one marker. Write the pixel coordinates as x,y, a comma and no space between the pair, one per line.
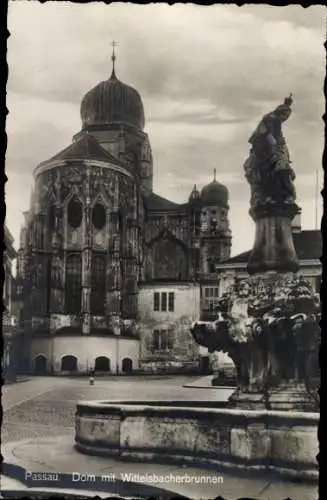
98,216
52,218
73,284
169,260
98,284
49,284
75,213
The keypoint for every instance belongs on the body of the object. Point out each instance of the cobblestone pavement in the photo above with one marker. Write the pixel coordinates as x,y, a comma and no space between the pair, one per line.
45,406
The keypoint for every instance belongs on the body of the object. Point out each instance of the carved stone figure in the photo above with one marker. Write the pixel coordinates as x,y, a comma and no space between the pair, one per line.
260,331
268,169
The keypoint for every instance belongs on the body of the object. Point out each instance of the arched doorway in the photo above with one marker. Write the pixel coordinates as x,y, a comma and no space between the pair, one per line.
40,364
205,364
69,363
24,366
127,365
102,364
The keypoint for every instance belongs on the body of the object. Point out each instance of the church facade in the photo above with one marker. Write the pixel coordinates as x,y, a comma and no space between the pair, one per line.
111,275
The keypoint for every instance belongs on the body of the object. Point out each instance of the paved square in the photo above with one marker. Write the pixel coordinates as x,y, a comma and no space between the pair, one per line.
45,406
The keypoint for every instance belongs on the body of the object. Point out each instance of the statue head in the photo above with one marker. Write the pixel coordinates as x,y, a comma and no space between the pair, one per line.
284,111
243,289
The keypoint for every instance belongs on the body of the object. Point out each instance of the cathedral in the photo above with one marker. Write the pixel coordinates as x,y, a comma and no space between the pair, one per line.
111,275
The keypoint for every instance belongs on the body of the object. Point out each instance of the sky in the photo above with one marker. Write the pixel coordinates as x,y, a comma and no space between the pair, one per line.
206,74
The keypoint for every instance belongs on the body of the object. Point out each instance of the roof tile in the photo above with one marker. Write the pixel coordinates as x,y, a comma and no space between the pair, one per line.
85,148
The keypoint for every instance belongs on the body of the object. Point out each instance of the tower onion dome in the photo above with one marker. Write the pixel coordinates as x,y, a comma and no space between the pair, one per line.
112,101
215,193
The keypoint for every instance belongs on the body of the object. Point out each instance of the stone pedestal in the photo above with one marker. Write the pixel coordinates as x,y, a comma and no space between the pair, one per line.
273,248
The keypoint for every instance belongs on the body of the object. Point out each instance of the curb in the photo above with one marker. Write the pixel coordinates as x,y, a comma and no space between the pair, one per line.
17,381
189,386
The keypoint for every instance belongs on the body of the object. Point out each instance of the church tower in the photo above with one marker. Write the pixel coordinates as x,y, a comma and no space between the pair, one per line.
215,241
81,254
215,232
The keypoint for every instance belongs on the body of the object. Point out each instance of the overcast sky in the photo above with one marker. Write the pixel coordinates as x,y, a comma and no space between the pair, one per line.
206,76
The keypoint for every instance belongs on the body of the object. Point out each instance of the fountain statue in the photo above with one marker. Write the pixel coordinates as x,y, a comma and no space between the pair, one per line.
269,325
269,322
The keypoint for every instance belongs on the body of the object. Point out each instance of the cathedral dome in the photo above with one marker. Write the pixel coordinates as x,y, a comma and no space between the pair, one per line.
112,101
215,193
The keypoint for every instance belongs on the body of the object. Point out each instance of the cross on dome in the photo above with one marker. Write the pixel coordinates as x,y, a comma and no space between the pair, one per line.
113,58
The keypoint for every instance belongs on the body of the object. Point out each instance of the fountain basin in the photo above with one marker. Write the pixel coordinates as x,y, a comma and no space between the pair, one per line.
279,442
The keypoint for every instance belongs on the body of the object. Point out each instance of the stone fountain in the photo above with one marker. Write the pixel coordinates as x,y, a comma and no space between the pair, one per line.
269,323
269,326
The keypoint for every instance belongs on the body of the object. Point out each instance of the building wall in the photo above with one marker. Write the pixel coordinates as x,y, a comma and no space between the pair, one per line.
86,350
9,255
182,349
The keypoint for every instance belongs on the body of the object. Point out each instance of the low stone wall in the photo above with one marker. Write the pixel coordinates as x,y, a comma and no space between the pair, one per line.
281,442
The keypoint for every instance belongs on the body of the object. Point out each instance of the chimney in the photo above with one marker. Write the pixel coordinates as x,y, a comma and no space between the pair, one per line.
296,223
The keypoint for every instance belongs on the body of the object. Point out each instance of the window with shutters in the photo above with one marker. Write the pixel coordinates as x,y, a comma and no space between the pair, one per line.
98,284
73,284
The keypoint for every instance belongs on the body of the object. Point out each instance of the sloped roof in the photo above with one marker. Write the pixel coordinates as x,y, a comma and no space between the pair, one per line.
156,203
308,246
84,148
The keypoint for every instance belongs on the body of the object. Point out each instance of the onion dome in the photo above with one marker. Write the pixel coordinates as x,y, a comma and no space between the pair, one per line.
112,101
214,193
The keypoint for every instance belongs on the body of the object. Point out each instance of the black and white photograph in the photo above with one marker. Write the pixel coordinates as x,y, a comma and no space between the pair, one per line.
162,261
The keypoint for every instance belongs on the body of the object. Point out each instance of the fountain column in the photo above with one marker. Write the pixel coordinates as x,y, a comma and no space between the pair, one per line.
269,323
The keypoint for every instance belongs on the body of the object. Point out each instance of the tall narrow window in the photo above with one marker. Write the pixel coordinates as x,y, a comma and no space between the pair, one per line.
75,213
170,339
171,301
98,284
52,219
73,284
164,301
48,285
156,340
156,301
98,216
